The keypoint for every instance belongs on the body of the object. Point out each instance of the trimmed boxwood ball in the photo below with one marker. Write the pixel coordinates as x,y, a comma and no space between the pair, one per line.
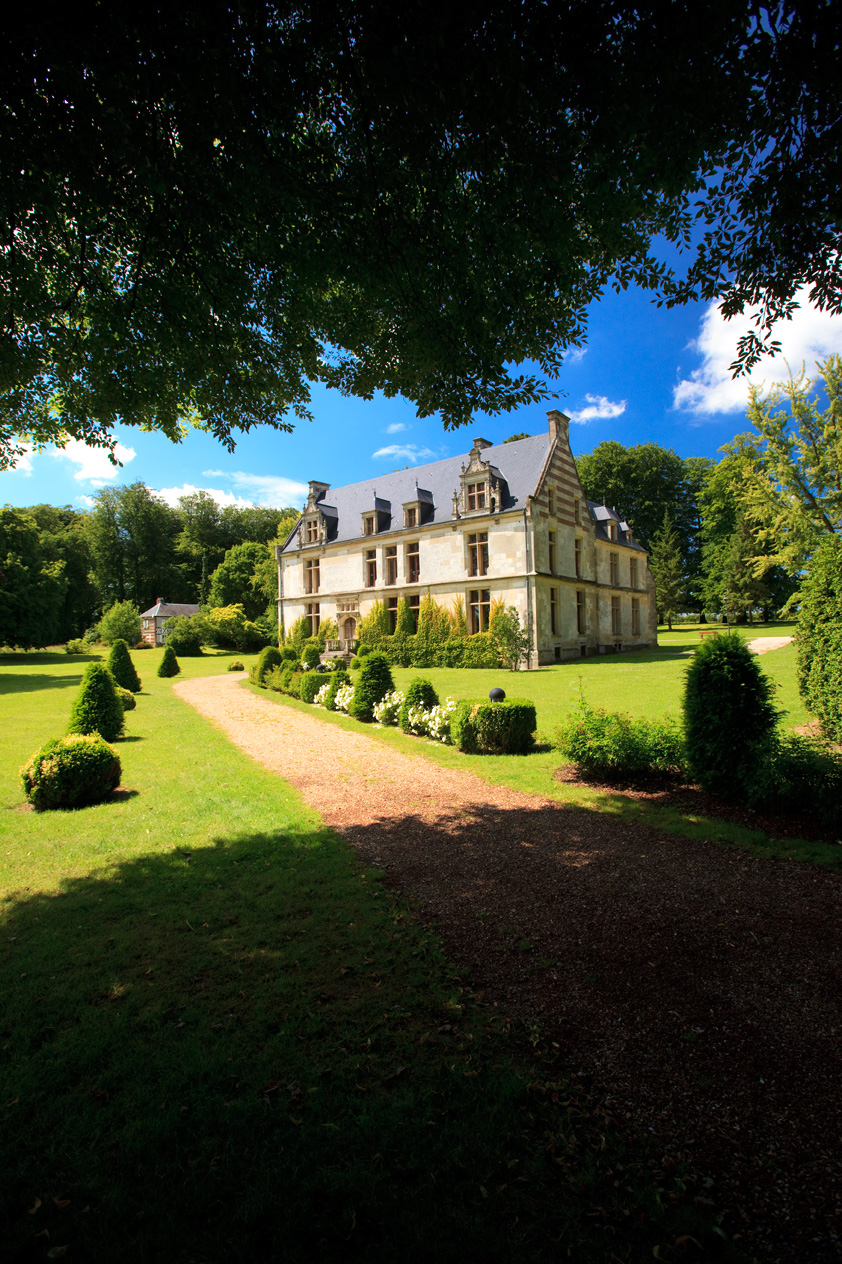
71,771
288,654
236,665
493,728
122,668
268,658
169,663
419,693
97,708
127,698
373,683
729,720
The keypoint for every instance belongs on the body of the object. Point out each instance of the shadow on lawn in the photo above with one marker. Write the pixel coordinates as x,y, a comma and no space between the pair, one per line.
21,683
250,1052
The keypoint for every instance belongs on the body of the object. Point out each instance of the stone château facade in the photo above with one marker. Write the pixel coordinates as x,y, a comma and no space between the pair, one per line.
508,521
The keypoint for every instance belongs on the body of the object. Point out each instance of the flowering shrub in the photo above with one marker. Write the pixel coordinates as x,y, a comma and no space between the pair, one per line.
343,697
319,699
432,722
388,709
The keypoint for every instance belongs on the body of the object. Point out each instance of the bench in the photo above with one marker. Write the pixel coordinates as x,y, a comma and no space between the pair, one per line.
709,631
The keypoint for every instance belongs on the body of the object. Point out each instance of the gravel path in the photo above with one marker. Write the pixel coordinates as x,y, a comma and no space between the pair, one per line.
697,987
763,644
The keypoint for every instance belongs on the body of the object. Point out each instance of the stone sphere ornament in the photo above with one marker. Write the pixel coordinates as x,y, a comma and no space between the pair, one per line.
497,695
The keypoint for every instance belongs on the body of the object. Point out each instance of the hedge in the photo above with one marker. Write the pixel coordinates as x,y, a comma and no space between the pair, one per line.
269,657
493,728
819,640
309,685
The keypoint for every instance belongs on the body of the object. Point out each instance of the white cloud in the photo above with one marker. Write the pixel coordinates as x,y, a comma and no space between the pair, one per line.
809,336
597,406
94,465
171,495
574,354
396,427
87,501
403,452
259,489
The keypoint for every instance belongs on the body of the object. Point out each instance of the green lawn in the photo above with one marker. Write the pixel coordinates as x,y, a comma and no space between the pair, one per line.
224,1040
642,682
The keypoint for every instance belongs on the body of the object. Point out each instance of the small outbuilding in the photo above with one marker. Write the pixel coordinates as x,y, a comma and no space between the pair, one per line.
152,620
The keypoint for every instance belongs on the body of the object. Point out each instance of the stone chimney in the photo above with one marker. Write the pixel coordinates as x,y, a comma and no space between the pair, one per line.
559,425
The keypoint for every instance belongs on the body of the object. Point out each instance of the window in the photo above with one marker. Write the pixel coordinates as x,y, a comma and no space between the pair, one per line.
615,616
414,605
633,572
478,553
577,512
312,532
313,616
476,496
413,563
551,499
551,538
392,608
370,568
577,558
410,517
392,565
580,613
613,569
479,607
553,612
311,576
368,525
635,616
612,531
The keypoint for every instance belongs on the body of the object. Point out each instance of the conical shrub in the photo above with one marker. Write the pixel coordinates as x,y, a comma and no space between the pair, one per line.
169,663
97,708
122,668
375,681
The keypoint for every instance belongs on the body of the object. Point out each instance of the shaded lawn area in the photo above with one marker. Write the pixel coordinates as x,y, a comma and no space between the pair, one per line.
223,1039
644,683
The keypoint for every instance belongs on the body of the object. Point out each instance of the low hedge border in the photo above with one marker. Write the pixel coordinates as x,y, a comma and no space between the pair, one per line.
493,728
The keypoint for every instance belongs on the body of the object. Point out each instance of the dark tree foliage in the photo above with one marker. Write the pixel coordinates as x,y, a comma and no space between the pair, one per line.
729,720
122,668
131,533
97,709
62,539
207,207
235,581
819,639
32,589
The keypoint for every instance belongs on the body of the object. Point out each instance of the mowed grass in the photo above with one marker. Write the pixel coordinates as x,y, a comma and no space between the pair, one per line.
644,683
224,1040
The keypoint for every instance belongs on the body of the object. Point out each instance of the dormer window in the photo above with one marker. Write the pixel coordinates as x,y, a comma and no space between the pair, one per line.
311,531
368,524
477,496
612,531
410,516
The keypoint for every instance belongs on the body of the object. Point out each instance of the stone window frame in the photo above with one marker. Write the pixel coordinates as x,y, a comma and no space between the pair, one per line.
551,552
577,557
614,569
634,581
551,499
479,609
554,611
616,617
412,560
312,575
477,544
392,612
635,616
390,563
312,611
581,613
370,568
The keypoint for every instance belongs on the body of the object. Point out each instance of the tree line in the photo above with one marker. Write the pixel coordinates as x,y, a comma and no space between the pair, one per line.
62,568
734,537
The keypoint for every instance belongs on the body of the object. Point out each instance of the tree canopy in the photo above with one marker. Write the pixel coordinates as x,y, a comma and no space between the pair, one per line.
207,207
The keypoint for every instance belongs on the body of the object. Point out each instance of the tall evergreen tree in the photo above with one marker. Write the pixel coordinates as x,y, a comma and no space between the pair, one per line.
666,565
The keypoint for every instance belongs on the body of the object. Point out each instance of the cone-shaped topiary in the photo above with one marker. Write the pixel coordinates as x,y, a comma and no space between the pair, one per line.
97,708
419,694
169,663
375,681
71,771
122,668
729,720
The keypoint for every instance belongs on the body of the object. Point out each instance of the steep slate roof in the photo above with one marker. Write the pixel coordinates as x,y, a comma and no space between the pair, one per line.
520,463
602,515
168,610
